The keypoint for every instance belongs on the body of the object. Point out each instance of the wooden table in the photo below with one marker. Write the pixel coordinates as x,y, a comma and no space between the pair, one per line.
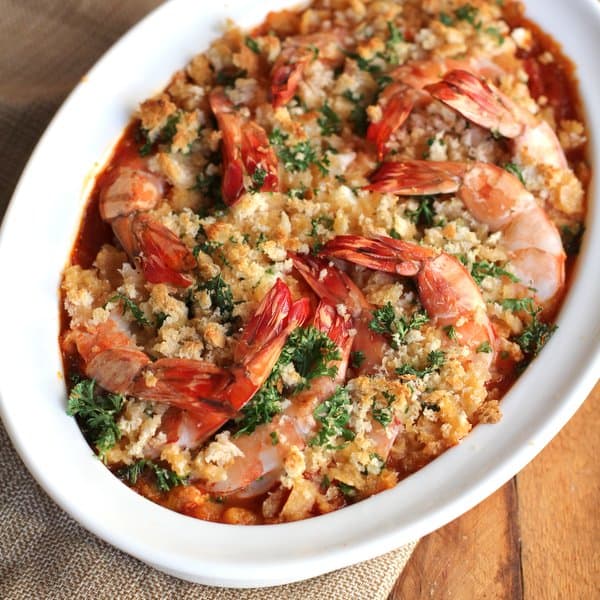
537,537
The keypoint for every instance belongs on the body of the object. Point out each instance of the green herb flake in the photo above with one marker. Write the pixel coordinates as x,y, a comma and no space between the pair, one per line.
450,332
483,269
446,19
468,13
97,414
252,44
297,157
484,347
258,179
329,122
514,169
382,412
159,319
356,359
349,491
517,304
435,360
391,54
220,295
333,416
385,321
228,76
424,213
358,115
364,64
430,406
129,305
274,438
535,336
165,478
495,33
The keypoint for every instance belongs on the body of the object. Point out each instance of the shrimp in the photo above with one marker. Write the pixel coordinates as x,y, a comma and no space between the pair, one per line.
208,394
259,462
445,288
407,89
497,198
124,203
297,53
483,103
333,285
246,151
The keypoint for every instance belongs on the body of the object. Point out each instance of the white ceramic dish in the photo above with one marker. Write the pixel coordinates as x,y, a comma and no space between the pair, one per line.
36,238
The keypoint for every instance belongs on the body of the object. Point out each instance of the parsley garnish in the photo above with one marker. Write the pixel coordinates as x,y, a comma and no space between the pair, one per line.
324,220
159,319
252,44
96,413
132,307
450,332
220,295
468,13
514,169
228,75
424,213
516,304
386,322
274,438
391,55
297,157
494,32
363,63
446,19
258,179
484,347
330,121
430,406
534,337
382,413
356,359
349,491
165,478
358,115
310,351
333,416
435,360
483,269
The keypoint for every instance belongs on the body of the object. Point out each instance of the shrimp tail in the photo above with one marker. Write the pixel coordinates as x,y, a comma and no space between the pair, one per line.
163,255
329,282
259,158
286,77
380,253
477,101
394,114
417,177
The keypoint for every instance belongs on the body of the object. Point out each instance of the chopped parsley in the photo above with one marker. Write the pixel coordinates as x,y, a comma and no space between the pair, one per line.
258,179
220,295
517,304
333,416
391,54
385,321
252,44
96,413
514,169
298,157
330,122
435,360
446,19
494,32
364,64
483,269
382,413
310,351
349,491
394,234
274,438
450,332
356,359
228,75
160,318
484,347
468,12
534,337
323,221
424,213
165,478
430,406
358,115
129,305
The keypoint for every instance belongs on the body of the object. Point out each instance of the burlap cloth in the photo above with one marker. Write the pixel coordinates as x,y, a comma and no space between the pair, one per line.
46,46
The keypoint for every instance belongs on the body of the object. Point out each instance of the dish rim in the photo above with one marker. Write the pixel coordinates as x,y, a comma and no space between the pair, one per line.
308,561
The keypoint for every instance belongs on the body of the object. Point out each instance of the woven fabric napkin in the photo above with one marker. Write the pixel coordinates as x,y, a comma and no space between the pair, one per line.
46,46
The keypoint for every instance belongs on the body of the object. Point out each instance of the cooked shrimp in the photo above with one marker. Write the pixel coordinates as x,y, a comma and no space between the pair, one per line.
124,202
333,285
483,103
246,151
497,198
209,394
297,53
408,82
445,288
259,456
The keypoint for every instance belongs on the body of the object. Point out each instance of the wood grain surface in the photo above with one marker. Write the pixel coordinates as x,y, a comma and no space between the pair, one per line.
536,538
